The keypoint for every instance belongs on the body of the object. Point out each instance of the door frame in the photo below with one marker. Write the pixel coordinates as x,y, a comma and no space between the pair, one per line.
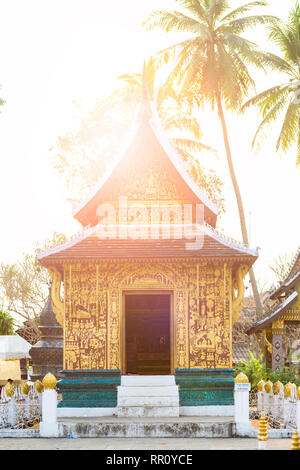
168,292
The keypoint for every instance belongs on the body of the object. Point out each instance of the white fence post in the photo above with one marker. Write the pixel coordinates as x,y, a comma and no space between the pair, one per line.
261,396
268,388
278,400
48,425
298,410
241,404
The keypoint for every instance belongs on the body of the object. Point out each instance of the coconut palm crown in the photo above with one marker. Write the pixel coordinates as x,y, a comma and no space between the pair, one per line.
213,64
281,103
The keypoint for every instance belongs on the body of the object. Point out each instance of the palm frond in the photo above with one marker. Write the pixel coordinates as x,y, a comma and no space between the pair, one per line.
240,25
191,145
179,121
283,37
290,128
194,7
275,93
250,53
171,21
270,117
216,10
241,10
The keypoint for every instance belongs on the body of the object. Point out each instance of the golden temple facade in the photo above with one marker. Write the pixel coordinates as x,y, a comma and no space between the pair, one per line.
140,295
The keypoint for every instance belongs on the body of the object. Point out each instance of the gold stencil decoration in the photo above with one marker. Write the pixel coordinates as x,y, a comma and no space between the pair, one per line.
113,334
57,303
202,299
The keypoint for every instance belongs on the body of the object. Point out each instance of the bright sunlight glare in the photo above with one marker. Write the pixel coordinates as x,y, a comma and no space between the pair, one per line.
55,53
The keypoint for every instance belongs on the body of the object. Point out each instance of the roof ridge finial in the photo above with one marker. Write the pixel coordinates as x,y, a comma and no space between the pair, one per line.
145,111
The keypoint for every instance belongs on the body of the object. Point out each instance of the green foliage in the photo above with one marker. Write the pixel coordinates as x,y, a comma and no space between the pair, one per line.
281,103
6,323
254,369
214,60
284,375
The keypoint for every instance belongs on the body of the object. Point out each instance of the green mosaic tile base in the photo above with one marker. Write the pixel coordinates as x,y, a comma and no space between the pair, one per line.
89,388
205,387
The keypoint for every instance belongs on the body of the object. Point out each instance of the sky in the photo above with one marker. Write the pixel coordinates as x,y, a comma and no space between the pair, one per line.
60,51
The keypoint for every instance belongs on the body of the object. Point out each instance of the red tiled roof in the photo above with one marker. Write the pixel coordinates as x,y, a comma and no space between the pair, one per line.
274,315
93,247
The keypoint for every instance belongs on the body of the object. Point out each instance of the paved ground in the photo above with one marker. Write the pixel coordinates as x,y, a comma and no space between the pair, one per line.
140,444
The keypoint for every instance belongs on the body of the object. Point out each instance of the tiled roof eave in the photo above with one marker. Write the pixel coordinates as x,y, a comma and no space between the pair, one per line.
205,228
286,285
261,324
170,152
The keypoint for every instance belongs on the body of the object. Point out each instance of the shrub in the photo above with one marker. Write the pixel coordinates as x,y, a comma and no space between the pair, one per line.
254,369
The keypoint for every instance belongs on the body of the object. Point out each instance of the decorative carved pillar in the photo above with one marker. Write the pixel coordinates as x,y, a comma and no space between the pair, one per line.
181,329
277,343
114,329
269,348
57,302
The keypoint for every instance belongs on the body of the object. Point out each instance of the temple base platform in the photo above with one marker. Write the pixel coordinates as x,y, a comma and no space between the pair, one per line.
177,427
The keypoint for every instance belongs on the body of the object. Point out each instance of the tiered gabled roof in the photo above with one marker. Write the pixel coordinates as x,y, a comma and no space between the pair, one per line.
285,296
147,147
90,244
290,280
153,122
275,314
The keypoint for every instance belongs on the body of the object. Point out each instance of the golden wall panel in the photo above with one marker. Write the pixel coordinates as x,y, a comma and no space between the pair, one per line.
201,313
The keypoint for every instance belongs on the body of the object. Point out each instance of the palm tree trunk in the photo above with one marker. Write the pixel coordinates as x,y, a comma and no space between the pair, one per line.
258,304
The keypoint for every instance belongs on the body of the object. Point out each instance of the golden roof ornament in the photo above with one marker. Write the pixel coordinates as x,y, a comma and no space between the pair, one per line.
49,381
288,389
241,378
39,386
295,441
261,385
268,386
277,387
298,392
262,430
24,388
9,389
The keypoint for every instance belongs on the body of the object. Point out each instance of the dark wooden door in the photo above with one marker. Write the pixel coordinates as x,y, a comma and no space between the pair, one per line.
148,341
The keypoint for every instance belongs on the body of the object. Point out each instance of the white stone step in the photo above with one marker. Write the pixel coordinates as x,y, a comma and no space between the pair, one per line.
147,380
160,391
149,411
148,401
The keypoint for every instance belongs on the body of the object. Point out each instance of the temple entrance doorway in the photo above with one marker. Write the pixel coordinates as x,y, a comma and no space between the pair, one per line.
147,337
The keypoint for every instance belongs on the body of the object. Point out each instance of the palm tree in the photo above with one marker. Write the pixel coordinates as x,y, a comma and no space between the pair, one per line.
6,323
211,65
281,102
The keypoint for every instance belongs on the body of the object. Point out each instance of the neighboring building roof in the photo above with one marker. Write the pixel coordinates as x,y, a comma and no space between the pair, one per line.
170,152
13,347
272,316
89,244
286,285
292,276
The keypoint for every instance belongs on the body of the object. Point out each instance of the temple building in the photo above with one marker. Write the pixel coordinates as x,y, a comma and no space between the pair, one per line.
284,313
151,290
